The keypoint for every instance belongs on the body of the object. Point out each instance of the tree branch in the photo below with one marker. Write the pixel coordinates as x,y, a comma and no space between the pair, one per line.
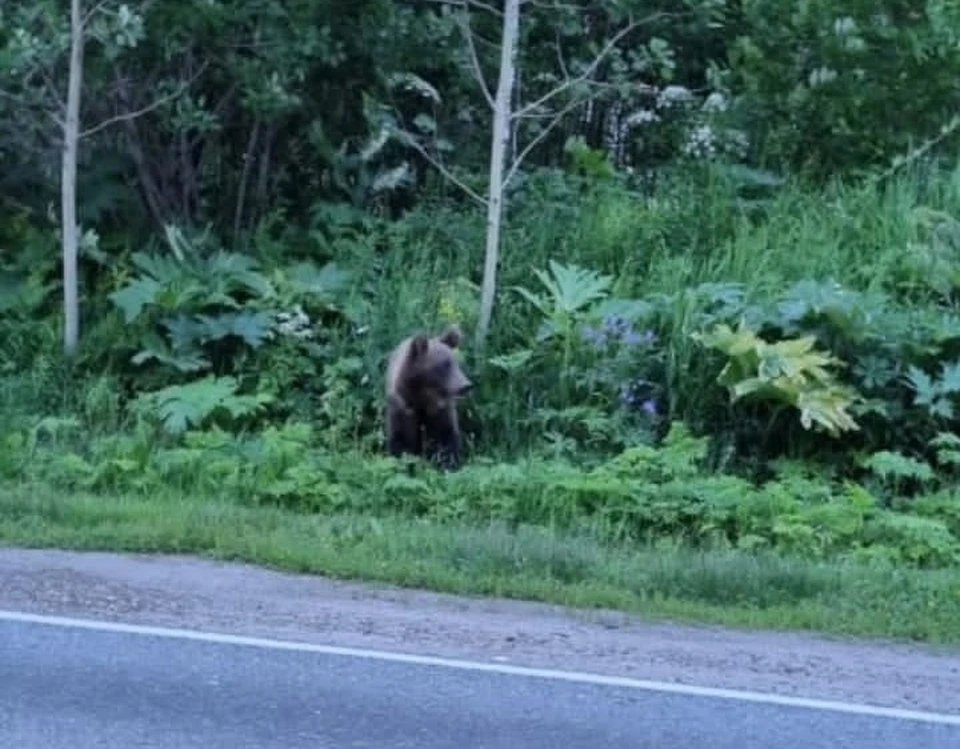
143,110
464,22
92,12
569,83
560,62
438,165
26,105
263,176
570,7
50,88
464,3
485,6
152,192
557,119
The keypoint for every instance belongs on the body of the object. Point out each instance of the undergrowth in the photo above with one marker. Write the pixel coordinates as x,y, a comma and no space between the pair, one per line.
641,496
666,580
732,366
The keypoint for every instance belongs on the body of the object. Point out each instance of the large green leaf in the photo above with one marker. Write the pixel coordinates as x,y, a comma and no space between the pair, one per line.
251,327
179,407
790,371
132,298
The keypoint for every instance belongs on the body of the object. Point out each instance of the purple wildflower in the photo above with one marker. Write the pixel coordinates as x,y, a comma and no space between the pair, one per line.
615,328
635,395
595,336
615,324
632,337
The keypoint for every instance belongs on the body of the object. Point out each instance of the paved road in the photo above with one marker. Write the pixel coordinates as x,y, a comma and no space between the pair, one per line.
241,599
66,687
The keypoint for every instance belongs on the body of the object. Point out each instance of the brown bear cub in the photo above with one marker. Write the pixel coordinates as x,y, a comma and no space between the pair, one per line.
423,382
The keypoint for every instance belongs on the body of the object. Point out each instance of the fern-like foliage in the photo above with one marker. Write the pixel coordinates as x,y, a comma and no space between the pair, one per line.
936,394
789,371
195,309
947,445
893,466
180,407
172,284
185,301
569,290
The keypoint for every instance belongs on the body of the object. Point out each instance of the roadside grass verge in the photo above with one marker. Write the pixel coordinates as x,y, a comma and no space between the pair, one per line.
669,582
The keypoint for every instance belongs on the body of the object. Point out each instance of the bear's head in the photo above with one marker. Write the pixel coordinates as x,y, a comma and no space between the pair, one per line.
432,369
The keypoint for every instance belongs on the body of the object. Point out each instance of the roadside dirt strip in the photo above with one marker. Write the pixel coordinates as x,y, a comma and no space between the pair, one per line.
197,594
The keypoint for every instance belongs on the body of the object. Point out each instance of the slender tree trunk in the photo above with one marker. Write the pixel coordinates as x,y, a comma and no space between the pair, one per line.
68,186
248,157
502,115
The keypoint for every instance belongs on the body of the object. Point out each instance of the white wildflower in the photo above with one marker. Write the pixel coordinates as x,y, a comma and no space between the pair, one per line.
295,323
716,102
737,142
821,75
673,95
701,142
844,26
641,116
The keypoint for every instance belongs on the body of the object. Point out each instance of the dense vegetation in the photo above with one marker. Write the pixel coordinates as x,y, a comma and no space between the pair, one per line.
725,325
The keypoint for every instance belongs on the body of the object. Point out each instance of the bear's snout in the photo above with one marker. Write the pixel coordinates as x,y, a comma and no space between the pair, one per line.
461,384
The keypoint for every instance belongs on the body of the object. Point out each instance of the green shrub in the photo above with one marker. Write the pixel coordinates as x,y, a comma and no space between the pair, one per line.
623,325
644,494
817,85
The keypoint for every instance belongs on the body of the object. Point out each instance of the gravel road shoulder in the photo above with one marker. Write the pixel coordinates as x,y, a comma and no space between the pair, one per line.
194,593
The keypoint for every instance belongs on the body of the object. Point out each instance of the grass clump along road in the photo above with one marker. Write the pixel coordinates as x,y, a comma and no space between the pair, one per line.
760,589
723,372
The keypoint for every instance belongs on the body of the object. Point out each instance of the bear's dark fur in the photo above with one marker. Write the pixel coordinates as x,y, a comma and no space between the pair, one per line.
423,382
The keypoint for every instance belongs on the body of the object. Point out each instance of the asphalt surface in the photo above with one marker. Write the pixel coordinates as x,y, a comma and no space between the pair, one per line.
72,688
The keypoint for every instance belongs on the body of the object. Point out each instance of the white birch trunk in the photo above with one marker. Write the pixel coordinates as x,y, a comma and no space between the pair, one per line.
502,116
68,185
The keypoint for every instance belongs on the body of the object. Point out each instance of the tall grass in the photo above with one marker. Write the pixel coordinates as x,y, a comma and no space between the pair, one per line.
689,233
759,590
699,226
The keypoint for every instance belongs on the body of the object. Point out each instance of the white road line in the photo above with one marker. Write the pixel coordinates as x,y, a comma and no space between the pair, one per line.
464,665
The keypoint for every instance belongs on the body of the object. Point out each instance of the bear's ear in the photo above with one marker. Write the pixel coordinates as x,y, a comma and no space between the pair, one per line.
452,335
419,346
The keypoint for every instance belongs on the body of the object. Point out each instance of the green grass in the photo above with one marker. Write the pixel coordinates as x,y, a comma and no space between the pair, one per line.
763,591
694,231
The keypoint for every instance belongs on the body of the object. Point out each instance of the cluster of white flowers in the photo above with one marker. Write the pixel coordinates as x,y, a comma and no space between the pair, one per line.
704,139
821,75
642,116
844,26
295,323
737,142
673,96
704,142
701,142
716,102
